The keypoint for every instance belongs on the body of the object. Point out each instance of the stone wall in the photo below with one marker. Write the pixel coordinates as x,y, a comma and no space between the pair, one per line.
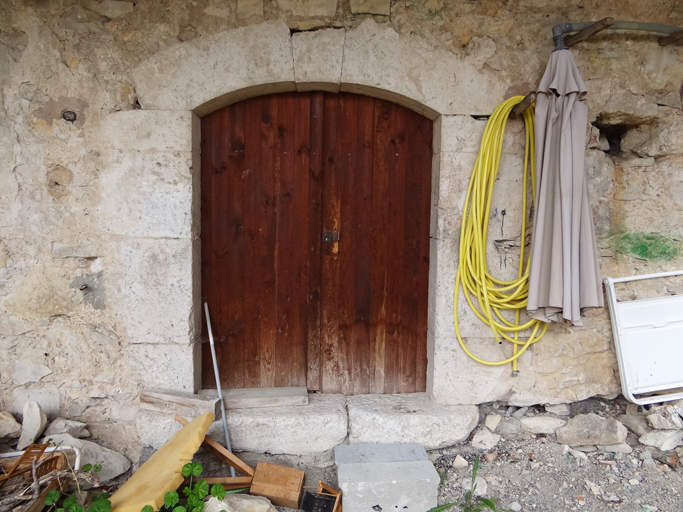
98,214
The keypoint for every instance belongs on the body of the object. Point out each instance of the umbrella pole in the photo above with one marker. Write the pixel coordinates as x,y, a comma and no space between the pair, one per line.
218,384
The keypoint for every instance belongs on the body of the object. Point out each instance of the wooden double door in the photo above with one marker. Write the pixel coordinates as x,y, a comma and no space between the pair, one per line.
315,243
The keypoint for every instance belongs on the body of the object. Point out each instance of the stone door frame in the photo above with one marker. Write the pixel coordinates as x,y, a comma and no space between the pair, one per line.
181,83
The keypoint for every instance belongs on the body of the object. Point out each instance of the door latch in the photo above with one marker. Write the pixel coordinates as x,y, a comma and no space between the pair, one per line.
330,236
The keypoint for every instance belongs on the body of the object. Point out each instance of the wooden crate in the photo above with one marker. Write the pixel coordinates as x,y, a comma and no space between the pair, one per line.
283,486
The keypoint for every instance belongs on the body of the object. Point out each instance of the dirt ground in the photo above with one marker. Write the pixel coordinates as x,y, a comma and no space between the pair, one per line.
532,472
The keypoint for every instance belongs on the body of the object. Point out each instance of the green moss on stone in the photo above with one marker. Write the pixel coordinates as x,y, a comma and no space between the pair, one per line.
647,246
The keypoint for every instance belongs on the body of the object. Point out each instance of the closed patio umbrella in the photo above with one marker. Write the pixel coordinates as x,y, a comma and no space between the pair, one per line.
564,277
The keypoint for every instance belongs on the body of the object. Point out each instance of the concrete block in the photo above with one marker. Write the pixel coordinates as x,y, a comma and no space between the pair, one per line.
429,80
151,287
370,453
186,404
261,397
309,8
455,171
305,429
411,417
155,428
169,366
409,486
318,59
198,74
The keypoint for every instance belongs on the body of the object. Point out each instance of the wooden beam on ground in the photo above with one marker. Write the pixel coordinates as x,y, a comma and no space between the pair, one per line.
179,402
587,32
671,38
217,450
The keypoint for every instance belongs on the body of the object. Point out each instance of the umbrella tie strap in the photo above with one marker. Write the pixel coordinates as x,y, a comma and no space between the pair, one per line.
493,295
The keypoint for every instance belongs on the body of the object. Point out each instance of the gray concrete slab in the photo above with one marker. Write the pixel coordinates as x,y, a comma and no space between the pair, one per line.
396,452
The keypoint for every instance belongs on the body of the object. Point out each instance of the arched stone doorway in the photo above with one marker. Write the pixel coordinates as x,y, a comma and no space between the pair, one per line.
315,242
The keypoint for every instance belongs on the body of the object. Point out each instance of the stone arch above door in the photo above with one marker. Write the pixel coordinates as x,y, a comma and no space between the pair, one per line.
206,74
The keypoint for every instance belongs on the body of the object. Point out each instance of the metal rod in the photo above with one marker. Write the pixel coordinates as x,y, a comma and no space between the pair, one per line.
673,273
561,29
523,105
218,383
589,31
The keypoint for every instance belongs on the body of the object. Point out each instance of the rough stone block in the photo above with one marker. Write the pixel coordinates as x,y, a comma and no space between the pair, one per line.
318,59
48,399
152,290
428,80
380,452
25,371
148,130
245,398
249,8
149,194
455,171
169,366
412,418
205,69
371,7
306,429
410,486
81,249
186,404
461,133
309,8
155,428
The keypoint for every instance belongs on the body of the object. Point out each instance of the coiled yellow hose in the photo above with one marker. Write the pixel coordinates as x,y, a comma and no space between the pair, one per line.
494,295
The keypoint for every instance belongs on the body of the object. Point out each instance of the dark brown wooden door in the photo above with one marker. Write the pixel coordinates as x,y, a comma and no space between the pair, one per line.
315,243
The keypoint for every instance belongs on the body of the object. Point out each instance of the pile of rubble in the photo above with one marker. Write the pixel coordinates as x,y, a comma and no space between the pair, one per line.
25,478
597,452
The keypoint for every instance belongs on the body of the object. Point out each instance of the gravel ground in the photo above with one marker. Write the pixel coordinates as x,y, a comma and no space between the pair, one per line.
534,472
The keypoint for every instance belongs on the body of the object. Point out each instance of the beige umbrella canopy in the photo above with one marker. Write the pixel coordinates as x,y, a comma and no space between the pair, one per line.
564,277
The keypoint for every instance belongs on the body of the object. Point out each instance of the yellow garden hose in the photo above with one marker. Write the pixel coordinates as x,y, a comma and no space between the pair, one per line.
493,295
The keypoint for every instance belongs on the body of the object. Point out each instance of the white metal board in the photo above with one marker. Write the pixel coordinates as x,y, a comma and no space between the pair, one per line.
648,336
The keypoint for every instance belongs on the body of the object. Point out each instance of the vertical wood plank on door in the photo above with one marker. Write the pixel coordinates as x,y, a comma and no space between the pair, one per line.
252,242
268,222
331,364
407,349
301,179
382,160
349,245
395,241
362,366
232,250
314,239
284,250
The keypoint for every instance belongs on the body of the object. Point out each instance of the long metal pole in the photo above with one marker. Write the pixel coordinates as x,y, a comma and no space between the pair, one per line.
218,383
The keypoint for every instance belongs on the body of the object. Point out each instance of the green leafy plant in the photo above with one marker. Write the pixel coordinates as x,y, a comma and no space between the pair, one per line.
472,503
194,493
70,503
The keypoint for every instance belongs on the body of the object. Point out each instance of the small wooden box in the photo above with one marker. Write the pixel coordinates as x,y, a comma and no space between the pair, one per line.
283,486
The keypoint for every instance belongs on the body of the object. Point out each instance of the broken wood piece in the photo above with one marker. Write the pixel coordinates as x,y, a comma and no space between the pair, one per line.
245,398
523,105
282,486
237,481
589,31
219,451
162,471
332,492
186,404
671,38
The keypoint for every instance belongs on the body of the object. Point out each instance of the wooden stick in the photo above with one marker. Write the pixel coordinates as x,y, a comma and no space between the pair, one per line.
671,38
523,105
219,451
239,481
589,31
